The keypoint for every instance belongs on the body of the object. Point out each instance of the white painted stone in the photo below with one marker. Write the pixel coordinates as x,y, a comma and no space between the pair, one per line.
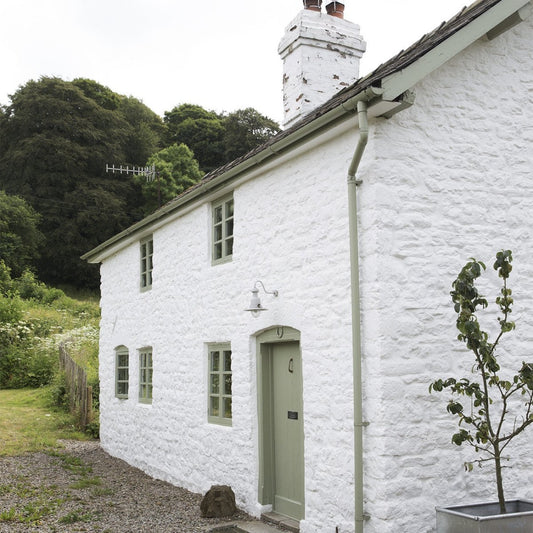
445,180
320,56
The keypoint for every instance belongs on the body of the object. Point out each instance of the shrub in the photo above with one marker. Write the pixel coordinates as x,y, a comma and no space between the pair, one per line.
30,288
10,309
6,284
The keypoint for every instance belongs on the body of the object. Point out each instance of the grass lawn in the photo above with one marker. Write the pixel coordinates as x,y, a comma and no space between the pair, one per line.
28,424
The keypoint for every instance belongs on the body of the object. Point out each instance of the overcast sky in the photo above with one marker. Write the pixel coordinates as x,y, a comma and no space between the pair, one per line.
220,54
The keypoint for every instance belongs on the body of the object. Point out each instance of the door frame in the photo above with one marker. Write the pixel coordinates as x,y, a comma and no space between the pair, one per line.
265,342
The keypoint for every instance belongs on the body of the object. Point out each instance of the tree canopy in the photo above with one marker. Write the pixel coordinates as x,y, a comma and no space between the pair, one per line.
19,237
217,139
176,170
56,138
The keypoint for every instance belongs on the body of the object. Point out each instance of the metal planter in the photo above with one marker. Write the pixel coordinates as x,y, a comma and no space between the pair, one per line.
486,518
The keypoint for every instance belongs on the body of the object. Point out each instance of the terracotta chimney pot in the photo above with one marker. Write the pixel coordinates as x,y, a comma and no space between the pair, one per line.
335,9
313,5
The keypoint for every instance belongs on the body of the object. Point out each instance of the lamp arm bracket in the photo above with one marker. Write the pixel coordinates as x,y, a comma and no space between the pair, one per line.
274,292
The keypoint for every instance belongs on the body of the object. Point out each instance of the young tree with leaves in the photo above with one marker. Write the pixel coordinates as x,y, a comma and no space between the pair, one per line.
485,427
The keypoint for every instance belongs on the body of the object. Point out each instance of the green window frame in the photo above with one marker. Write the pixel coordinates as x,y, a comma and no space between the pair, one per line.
146,372
220,384
122,364
222,212
147,262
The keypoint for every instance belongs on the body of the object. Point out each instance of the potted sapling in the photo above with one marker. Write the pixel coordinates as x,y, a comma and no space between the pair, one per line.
491,409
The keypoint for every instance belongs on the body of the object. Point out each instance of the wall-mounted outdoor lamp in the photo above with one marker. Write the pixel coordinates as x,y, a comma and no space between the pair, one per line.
255,306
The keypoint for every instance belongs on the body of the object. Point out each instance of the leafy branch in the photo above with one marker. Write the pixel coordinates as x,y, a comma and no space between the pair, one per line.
483,428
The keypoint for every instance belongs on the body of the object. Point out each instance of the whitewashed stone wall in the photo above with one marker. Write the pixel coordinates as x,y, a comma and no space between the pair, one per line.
448,179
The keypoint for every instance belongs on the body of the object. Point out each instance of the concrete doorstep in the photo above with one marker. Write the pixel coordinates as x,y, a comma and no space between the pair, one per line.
245,527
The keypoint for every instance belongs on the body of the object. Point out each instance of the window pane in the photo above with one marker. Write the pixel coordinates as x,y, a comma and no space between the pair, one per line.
227,408
218,250
151,247
149,392
218,232
215,383
218,214
227,384
229,208
122,359
227,361
229,247
143,250
213,406
122,374
215,361
229,228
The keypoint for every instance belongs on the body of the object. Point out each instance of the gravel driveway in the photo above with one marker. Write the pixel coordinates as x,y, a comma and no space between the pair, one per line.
82,488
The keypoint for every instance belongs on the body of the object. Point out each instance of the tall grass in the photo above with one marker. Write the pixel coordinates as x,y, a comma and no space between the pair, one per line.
34,320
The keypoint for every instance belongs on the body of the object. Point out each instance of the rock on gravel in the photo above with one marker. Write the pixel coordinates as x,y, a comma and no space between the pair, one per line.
79,487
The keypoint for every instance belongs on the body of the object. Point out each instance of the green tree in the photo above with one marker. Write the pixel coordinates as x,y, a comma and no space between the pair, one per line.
56,138
201,130
245,129
19,237
146,133
217,139
490,397
176,171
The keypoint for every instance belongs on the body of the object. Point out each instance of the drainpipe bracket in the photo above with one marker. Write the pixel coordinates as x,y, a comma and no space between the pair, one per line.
364,518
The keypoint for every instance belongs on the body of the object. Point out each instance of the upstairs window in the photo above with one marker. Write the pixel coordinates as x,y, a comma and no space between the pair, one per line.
222,230
147,263
145,375
220,377
122,358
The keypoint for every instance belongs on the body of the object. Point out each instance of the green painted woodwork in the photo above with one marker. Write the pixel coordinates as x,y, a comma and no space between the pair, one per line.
280,410
222,236
219,384
145,375
287,430
121,372
147,263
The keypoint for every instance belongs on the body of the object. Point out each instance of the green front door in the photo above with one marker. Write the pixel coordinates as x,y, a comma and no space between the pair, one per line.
287,430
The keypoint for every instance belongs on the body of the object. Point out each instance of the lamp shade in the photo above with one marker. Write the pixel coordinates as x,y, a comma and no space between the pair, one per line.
255,303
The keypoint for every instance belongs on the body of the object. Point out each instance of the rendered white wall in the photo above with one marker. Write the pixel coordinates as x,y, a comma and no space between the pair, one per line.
451,178
290,232
467,136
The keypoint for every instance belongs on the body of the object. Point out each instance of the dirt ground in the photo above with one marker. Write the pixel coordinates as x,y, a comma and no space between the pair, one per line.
82,488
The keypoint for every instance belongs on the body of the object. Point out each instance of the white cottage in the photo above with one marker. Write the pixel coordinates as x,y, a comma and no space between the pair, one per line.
350,226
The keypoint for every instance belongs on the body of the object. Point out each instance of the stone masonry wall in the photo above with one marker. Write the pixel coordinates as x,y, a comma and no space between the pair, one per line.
450,178
445,180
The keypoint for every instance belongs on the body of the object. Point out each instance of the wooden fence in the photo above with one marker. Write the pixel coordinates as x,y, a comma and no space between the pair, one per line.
80,395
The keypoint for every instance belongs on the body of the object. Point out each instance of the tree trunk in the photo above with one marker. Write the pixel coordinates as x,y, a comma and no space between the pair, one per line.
499,481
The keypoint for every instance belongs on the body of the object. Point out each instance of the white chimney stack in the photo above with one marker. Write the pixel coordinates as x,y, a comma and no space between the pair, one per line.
320,53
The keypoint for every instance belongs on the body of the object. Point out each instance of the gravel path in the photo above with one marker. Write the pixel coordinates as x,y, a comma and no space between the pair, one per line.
82,488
